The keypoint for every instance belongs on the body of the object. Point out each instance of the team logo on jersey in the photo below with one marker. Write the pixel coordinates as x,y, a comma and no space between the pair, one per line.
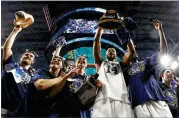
26,78
20,76
136,68
171,98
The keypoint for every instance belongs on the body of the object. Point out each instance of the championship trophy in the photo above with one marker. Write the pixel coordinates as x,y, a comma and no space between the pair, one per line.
59,42
53,45
123,26
23,19
57,45
110,20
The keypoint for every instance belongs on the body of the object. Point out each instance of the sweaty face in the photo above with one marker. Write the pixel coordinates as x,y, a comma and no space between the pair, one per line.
111,54
168,75
27,58
81,62
56,63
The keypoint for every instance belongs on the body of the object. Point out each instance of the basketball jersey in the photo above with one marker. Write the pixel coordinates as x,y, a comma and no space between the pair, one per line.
114,86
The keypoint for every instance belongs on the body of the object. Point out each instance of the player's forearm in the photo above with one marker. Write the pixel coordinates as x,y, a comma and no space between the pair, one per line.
163,42
98,34
97,45
58,86
127,58
97,50
43,84
131,51
131,47
7,51
91,66
10,40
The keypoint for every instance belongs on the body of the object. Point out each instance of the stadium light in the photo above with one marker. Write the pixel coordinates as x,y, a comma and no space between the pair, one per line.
165,60
174,65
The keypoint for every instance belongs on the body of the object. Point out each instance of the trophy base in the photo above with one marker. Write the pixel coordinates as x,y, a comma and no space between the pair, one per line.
110,24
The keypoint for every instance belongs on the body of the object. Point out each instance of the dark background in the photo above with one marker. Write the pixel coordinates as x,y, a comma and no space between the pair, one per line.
38,35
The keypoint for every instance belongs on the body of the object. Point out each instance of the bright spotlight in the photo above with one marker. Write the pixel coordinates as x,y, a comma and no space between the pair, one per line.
165,60
174,65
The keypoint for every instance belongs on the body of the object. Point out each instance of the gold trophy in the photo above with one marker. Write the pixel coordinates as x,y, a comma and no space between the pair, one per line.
23,19
110,20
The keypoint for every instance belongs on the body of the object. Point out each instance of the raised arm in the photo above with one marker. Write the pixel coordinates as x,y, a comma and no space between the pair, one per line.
91,65
163,43
97,48
7,47
128,56
43,83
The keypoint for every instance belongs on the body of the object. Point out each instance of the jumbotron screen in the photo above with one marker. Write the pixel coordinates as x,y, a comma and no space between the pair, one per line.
83,26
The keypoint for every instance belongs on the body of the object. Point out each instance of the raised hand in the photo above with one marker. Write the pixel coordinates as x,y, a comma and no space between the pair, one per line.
17,28
70,67
73,72
157,24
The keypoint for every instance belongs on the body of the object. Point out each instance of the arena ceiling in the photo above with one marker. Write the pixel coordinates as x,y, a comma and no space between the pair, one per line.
47,24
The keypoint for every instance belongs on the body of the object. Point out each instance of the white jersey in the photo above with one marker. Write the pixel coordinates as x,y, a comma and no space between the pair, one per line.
114,86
